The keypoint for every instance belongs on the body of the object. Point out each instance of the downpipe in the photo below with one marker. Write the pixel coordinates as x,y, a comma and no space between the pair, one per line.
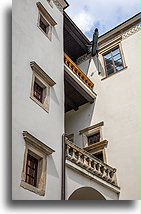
63,169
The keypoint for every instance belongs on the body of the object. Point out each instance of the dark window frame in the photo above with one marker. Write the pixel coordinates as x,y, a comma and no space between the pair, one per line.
31,178
39,97
93,136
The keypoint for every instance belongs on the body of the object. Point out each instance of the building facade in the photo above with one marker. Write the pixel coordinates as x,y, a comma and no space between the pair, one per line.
75,131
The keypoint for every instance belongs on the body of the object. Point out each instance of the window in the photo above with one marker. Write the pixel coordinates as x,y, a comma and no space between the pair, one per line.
95,138
44,25
99,155
31,170
45,20
38,92
40,87
35,164
113,61
93,141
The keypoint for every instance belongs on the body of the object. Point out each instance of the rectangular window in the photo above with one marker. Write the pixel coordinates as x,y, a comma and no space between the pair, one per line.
113,61
31,170
95,138
44,25
99,156
38,92
35,164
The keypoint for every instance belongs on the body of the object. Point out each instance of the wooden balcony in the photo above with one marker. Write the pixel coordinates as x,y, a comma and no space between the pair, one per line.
78,72
90,163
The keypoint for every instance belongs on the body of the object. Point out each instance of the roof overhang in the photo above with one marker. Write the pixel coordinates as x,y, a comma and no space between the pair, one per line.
73,37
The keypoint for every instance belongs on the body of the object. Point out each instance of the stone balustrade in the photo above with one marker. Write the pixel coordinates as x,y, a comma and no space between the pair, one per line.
90,163
78,72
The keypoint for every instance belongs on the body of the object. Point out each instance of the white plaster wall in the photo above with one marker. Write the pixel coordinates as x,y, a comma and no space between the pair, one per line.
30,44
76,180
117,104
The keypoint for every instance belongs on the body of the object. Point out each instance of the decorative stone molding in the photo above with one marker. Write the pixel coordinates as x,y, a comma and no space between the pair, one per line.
131,31
91,164
40,151
58,5
37,143
41,73
91,127
46,14
96,146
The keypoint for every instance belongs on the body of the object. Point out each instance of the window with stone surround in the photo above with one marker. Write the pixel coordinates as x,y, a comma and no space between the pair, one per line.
40,87
113,61
45,20
35,164
93,141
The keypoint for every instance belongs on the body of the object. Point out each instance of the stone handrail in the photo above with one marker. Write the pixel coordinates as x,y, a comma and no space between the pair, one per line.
78,72
90,163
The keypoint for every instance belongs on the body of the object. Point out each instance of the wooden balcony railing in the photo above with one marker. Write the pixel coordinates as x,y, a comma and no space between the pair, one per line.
91,164
78,71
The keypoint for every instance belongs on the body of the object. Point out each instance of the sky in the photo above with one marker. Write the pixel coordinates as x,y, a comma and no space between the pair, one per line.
101,14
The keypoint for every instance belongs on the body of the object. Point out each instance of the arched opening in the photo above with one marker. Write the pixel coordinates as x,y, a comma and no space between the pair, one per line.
86,193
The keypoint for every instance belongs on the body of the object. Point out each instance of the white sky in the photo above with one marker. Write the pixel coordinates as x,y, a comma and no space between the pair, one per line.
103,14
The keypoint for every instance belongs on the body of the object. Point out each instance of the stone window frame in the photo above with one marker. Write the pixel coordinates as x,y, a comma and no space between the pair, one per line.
39,76
108,47
47,18
40,151
96,147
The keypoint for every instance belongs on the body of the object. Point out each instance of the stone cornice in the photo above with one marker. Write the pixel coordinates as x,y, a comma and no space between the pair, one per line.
37,143
60,5
46,14
91,127
96,146
41,73
131,31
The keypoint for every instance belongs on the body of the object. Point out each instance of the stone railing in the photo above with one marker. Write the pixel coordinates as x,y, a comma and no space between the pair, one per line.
78,72
90,163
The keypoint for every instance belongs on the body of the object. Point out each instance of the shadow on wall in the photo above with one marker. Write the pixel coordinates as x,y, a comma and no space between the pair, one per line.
98,66
78,120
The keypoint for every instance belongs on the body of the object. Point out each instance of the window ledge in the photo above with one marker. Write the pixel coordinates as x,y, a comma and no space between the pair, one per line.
42,74
96,146
37,143
32,188
46,14
114,73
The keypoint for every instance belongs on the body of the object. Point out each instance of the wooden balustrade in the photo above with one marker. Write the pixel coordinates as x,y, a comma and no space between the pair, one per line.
91,164
78,71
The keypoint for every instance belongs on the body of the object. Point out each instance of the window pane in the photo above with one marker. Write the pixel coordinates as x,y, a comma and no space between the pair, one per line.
118,62
116,57
107,56
107,61
116,51
110,71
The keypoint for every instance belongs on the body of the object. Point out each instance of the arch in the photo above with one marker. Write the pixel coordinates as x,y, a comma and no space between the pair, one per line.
86,193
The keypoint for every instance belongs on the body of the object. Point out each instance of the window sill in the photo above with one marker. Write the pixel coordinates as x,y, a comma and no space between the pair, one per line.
42,105
48,36
32,188
114,73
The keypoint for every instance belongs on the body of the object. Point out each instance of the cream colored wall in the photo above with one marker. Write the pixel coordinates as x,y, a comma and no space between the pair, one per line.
30,44
117,104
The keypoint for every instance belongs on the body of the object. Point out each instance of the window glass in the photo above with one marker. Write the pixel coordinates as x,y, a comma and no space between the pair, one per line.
31,170
113,61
